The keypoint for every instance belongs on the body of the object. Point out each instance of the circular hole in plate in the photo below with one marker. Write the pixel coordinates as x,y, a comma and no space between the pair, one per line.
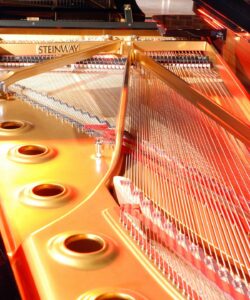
31,153
10,125
111,294
84,243
48,190
115,296
86,251
32,150
14,127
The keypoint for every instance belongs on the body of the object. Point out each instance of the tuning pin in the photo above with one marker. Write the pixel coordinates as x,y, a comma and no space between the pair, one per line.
209,261
181,239
147,207
224,274
195,250
98,144
238,284
169,228
157,218
137,196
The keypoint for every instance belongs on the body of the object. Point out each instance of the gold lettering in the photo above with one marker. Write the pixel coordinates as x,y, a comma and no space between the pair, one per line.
40,50
57,49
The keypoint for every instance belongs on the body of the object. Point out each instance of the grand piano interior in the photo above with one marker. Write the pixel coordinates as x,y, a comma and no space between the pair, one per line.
124,149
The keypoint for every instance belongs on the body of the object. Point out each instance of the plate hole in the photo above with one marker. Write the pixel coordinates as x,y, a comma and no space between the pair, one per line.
115,296
48,190
84,243
9,125
32,150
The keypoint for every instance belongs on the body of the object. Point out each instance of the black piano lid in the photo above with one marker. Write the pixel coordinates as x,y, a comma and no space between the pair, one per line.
236,11
95,10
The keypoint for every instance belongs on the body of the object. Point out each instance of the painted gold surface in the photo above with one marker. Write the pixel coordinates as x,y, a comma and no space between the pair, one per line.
170,46
125,271
38,235
70,167
34,236
44,47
